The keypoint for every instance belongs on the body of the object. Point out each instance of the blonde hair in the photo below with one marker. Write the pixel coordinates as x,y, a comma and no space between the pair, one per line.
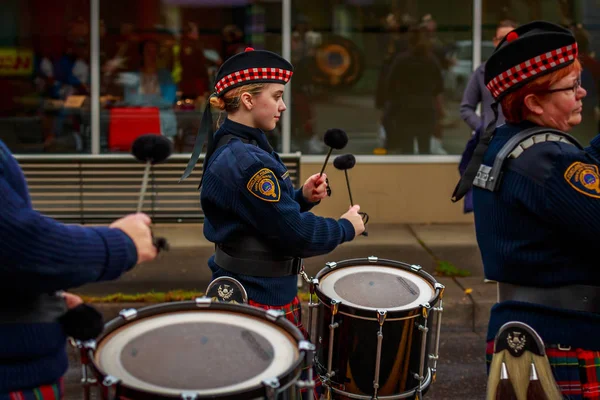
230,101
519,370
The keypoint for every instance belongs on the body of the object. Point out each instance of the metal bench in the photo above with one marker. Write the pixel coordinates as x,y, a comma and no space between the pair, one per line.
89,189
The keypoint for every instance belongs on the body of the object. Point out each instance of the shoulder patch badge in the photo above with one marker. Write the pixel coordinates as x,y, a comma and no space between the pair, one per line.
265,186
584,178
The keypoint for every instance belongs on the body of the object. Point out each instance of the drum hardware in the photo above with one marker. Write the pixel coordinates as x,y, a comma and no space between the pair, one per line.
309,349
311,304
271,386
353,296
273,315
332,326
128,314
87,378
109,387
114,379
438,328
202,302
381,314
424,330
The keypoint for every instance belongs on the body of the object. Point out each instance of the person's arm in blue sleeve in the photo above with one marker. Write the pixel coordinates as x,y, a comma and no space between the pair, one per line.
572,193
281,219
471,98
39,254
305,205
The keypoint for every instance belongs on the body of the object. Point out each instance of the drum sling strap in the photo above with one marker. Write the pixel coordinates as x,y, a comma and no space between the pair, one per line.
251,255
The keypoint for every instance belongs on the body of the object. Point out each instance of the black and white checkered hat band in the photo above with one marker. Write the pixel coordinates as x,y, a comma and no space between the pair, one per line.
530,68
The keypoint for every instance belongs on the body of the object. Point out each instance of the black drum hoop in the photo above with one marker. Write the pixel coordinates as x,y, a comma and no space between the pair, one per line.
286,379
375,261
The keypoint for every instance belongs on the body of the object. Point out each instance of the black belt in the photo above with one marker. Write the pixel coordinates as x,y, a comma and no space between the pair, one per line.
571,297
257,266
38,309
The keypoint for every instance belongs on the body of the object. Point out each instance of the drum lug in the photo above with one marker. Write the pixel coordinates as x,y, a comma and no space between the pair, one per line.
110,387
189,396
273,315
335,304
128,314
425,310
372,259
416,268
271,385
331,264
203,302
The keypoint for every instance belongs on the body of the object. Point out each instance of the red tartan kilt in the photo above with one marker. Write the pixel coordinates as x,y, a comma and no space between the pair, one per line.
293,313
576,371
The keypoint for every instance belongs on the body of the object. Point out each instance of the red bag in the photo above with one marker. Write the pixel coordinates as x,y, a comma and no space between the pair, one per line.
128,123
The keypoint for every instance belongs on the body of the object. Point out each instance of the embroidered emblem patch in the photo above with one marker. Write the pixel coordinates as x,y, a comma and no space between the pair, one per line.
265,186
584,178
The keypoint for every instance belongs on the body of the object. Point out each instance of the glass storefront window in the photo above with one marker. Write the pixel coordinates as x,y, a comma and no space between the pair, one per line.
159,60
45,76
389,73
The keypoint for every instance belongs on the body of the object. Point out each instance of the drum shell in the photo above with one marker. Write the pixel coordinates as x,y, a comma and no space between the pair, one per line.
354,353
121,391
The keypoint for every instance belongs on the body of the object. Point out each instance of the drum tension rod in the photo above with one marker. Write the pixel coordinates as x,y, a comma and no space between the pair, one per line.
87,378
436,350
309,354
381,315
424,330
332,326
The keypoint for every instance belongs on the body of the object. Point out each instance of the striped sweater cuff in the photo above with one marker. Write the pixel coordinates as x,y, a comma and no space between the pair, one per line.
348,229
121,254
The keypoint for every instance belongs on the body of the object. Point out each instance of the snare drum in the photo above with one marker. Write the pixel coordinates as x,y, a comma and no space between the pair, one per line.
198,350
373,328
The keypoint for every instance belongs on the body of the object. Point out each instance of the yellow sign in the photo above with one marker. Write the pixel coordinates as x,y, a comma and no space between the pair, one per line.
15,61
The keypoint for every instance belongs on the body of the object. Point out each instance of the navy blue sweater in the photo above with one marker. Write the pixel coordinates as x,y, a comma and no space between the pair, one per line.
231,209
539,229
40,255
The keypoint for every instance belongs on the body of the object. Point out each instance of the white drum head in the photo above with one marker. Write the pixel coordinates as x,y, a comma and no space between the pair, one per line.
376,287
208,352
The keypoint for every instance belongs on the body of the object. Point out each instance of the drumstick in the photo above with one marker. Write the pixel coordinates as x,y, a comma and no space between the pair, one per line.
151,149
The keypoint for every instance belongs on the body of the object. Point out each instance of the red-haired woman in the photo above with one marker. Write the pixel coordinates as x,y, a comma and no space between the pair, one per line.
537,206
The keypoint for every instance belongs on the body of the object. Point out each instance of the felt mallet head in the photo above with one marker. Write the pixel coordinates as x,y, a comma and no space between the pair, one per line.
151,148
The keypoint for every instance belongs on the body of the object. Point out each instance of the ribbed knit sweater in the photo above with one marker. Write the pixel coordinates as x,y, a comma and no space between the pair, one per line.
539,230
40,255
231,209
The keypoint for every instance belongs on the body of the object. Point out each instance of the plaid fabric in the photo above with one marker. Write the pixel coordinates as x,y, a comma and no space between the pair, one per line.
293,313
252,74
46,392
576,371
531,67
